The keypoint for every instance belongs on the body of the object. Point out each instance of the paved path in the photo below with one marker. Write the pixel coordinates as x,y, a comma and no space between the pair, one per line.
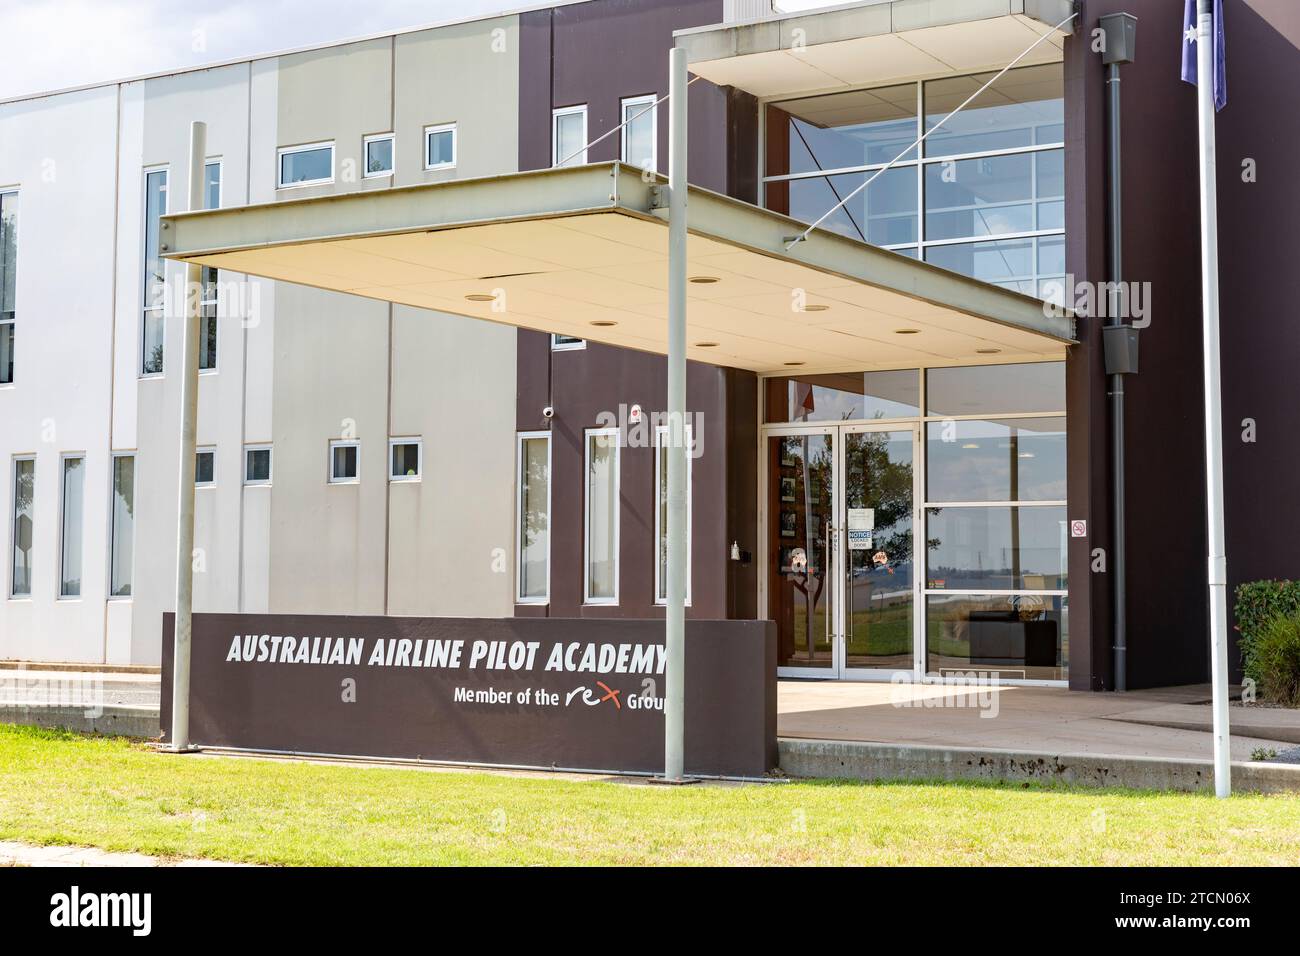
22,854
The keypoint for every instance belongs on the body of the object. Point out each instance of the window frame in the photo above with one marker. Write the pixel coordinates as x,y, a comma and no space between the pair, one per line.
556,114
587,435
283,151
113,529
418,442
267,447
661,530
12,536
205,450
557,346
145,308
520,438
64,458
337,443
651,100
366,141
429,132
208,307
11,323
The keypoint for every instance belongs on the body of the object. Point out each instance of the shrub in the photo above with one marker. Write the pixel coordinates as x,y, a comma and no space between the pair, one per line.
1257,603
1275,659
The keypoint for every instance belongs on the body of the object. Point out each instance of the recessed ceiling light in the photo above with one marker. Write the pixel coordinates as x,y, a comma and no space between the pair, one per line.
603,323
703,280
987,351
706,345
792,364
481,297
907,331
815,308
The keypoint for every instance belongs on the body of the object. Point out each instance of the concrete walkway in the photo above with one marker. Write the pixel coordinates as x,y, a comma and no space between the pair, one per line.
23,854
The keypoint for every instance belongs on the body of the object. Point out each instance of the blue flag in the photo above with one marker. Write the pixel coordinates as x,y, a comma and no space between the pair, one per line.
1217,57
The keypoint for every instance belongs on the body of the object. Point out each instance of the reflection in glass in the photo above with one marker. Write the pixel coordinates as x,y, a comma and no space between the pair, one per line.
1017,636
123,545
534,517
800,510
307,165
883,214
1009,263
602,517
1026,107
878,603
847,396
996,389
661,516
639,133
1013,459
155,189
859,128
74,484
993,195
1003,549
24,508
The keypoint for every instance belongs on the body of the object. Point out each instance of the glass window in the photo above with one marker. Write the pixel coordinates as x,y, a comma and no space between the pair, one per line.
440,146
257,465
208,319
8,281
602,516
344,466
1015,635
154,294
842,130
24,510
121,558
661,513
1014,459
379,155
569,136
560,343
1026,107
1010,263
74,498
404,456
848,396
639,146
883,214
307,165
996,389
212,185
996,549
534,554
205,467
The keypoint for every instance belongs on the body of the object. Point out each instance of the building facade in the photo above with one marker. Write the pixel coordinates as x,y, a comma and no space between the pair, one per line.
936,504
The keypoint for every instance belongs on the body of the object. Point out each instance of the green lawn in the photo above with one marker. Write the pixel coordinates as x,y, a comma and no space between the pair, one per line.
62,788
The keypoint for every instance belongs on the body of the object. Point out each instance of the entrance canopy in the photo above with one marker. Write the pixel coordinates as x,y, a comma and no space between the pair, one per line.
583,251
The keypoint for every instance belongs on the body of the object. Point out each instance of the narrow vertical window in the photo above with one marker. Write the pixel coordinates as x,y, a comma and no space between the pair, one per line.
122,556
639,132
534,545
661,513
569,136
8,277
154,295
74,499
208,313
20,583
602,468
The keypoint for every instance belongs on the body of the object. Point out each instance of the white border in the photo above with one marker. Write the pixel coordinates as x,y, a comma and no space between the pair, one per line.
581,158
365,155
205,450
419,459
520,438
640,103
429,132
270,462
344,443
587,436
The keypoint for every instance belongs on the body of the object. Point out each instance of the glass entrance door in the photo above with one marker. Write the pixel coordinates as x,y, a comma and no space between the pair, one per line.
841,584
877,574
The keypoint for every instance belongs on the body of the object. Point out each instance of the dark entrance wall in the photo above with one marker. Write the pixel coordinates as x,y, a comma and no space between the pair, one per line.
1165,467
598,53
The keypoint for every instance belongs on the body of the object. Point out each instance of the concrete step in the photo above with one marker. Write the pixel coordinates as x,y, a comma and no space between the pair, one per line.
860,760
117,720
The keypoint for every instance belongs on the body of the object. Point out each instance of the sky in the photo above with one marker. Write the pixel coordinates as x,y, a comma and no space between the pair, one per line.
53,44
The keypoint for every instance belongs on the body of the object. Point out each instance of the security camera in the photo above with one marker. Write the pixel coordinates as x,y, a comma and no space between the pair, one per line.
548,412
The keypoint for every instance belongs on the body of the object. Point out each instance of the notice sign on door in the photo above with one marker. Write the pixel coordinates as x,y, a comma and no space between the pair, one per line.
861,525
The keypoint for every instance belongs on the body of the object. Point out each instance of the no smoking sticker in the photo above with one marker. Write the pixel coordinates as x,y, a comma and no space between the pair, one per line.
1078,528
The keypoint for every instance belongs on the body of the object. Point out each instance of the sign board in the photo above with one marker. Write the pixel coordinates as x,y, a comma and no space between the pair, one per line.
524,692
861,525
1078,528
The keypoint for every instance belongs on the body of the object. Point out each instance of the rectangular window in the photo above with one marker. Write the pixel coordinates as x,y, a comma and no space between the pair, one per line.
122,555
8,277
996,389
155,275
212,184
602,496
257,465
208,280
533,555
205,468
563,343
308,165
404,459
378,155
640,132
569,136
344,463
661,513
440,146
74,500
20,582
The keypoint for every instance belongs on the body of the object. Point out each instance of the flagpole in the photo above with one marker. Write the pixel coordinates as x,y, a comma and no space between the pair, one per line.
1218,562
